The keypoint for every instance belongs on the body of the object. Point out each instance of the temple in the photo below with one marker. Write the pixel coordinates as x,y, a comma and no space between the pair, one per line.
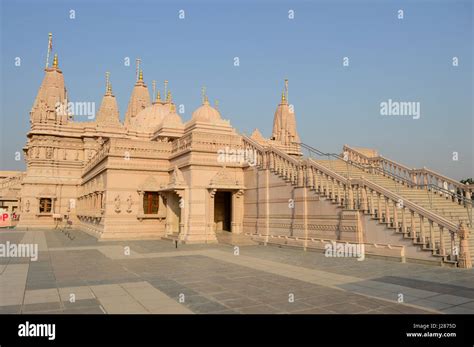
157,176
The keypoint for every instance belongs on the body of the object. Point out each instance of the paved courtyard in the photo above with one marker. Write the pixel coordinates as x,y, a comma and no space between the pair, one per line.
77,274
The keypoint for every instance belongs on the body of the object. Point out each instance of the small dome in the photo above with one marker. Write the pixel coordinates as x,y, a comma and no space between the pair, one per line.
206,113
172,119
151,117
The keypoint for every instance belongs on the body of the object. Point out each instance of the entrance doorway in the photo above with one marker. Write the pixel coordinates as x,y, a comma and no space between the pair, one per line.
223,211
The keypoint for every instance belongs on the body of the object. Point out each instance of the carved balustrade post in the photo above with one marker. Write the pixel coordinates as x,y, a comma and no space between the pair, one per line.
364,199
422,229
464,259
431,231
379,207
404,221
395,215
441,240
387,211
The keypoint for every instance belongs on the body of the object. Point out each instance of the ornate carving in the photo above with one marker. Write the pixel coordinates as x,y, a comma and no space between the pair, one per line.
222,178
117,203
150,184
27,206
129,203
177,177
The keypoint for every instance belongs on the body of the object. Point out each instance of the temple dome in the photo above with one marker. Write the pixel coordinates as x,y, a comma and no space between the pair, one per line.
206,113
150,117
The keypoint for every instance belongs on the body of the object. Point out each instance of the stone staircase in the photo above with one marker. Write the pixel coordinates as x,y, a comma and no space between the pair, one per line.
428,217
431,200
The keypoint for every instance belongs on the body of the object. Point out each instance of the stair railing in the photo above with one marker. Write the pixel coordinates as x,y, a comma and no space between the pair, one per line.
422,178
368,197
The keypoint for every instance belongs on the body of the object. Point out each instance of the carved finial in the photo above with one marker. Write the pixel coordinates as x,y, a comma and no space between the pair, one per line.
203,94
107,81
140,76
166,87
158,96
283,98
137,71
168,97
50,47
55,61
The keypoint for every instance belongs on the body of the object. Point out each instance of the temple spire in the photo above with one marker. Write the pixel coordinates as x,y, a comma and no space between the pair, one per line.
158,96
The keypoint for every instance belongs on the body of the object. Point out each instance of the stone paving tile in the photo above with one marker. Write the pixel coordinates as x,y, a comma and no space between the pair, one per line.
84,310
81,303
450,299
11,309
41,307
41,296
213,280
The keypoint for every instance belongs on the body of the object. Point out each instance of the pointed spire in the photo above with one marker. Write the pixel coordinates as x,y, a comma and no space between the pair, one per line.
158,96
283,98
108,111
168,97
140,98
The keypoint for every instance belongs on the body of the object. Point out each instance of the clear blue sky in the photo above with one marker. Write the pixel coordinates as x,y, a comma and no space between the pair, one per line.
405,60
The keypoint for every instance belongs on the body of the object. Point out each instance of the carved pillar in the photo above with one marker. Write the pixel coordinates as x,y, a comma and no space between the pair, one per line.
140,202
210,222
237,211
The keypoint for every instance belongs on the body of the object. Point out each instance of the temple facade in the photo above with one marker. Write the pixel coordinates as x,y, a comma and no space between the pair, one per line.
157,176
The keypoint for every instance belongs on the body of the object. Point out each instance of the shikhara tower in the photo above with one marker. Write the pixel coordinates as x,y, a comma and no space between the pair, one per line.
158,176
